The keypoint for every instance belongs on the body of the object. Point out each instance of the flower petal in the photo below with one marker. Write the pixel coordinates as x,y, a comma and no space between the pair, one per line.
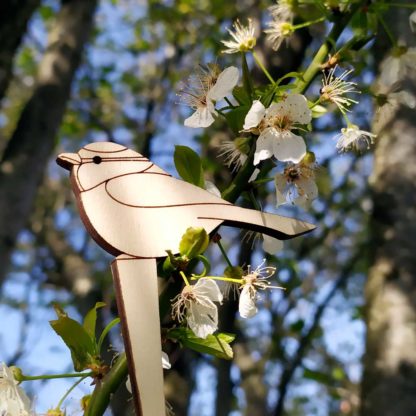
271,245
280,184
254,175
207,288
202,319
165,361
226,82
254,115
288,147
295,106
307,187
210,187
247,303
264,145
201,118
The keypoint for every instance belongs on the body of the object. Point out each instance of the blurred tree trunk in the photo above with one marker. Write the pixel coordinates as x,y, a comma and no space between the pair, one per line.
14,16
389,380
31,145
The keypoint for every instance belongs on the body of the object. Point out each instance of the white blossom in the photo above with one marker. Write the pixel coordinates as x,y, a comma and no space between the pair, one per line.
205,88
297,182
354,138
243,38
280,27
335,88
234,152
274,126
13,400
196,304
254,280
211,188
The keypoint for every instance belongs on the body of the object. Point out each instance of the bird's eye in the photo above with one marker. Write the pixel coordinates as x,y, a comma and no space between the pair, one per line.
97,160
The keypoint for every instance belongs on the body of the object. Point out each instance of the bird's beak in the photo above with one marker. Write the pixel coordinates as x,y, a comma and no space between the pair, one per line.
67,160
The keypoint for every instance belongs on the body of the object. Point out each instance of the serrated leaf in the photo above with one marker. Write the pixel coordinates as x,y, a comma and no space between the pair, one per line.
194,242
216,345
76,338
90,319
189,165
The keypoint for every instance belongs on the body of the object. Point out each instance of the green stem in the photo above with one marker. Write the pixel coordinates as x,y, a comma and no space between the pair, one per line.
315,65
262,67
69,392
248,85
228,102
224,254
109,384
409,6
52,376
312,22
223,279
184,278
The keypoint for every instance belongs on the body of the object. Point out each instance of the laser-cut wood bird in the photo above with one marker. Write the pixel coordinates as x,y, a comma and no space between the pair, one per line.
136,211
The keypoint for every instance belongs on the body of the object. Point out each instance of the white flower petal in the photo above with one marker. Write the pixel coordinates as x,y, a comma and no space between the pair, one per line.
210,187
271,245
13,399
288,147
280,184
209,289
307,187
201,118
254,115
264,145
128,384
254,175
412,21
295,106
202,319
247,303
226,82
165,361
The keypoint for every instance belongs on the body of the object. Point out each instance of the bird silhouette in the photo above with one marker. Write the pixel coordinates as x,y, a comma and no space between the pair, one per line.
131,206
137,211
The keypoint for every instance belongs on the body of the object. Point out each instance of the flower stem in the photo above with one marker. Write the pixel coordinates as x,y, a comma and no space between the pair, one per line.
109,384
184,278
53,376
224,254
223,279
248,84
315,66
263,68
306,24
69,392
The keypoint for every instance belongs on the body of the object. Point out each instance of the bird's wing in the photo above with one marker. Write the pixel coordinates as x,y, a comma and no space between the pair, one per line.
158,190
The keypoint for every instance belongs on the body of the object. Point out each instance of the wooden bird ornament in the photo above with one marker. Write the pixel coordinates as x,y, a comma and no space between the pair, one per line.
136,211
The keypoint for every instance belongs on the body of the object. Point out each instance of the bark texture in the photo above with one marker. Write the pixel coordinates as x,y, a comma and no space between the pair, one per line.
14,17
32,143
389,380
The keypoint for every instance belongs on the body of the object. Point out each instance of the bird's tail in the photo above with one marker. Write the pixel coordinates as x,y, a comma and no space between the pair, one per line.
277,226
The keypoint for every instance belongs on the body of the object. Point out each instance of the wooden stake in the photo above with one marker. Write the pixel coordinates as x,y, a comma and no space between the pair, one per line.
137,296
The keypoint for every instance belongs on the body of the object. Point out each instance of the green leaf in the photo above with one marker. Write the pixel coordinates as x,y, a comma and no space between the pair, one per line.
318,376
77,339
240,94
91,319
194,242
189,166
235,118
216,345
